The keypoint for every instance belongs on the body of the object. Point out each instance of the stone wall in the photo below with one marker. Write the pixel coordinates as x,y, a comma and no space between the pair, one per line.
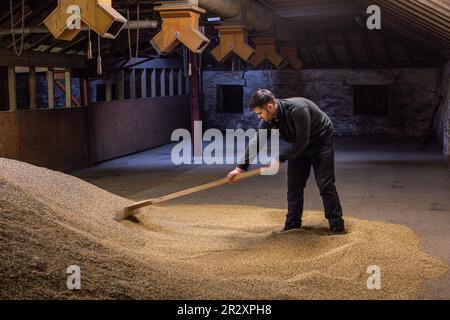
412,97
442,123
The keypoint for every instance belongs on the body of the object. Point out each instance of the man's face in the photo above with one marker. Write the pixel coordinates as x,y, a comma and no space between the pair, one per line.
267,112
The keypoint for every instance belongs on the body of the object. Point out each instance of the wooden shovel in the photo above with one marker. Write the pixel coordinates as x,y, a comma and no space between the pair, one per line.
130,210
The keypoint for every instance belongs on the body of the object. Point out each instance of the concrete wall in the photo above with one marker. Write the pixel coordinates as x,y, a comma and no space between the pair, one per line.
442,123
56,139
127,126
69,139
412,97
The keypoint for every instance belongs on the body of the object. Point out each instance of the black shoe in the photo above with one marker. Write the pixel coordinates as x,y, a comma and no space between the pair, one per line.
337,227
287,228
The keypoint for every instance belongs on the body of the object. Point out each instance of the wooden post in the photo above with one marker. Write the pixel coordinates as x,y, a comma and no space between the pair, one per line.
144,83
163,82
84,92
121,84
187,79
32,84
133,84
180,82
12,88
68,86
51,93
116,82
171,83
4,103
194,92
108,85
153,83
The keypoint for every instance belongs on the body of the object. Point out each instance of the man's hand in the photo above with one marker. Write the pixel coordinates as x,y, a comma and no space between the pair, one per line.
276,165
233,174
272,169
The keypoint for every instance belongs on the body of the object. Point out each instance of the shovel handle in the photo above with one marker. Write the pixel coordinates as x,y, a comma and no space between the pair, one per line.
205,186
127,212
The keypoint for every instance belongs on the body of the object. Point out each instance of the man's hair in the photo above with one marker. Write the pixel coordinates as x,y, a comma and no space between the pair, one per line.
260,98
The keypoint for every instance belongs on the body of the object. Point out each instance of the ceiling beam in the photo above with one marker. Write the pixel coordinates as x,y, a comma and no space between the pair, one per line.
387,49
327,46
311,52
42,59
347,47
414,21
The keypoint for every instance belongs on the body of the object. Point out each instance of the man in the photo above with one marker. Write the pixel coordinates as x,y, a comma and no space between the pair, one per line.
310,134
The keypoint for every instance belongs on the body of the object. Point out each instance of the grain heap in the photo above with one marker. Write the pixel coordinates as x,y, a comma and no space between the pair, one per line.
49,220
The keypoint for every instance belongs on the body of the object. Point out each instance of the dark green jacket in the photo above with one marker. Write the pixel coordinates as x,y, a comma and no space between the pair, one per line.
300,122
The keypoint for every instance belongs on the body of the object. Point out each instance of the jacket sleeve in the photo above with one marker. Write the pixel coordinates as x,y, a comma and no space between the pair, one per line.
244,164
302,123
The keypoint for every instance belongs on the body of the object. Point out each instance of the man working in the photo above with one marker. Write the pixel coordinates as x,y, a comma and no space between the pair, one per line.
310,132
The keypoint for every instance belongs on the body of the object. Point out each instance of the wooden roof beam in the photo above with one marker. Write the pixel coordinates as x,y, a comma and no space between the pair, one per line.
42,59
402,13
387,49
367,46
328,47
311,52
347,47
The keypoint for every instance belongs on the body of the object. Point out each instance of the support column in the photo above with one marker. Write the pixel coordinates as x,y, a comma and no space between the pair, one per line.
194,91
108,85
12,89
180,82
68,87
187,76
121,84
153,83
144,83
51,92
163,82
32,85
4,95
133,84
84,92
171,83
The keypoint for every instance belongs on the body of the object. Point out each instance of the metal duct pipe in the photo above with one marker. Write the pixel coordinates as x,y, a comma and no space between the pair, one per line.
145,24
259,17
225,8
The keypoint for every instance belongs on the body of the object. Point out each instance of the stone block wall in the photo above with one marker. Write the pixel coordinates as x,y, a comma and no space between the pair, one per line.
442,123
412,97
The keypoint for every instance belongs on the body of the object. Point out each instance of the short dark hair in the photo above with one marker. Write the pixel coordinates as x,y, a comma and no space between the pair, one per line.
260,98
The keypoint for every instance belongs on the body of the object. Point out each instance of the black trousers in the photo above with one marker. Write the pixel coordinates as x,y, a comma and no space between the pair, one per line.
321,158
